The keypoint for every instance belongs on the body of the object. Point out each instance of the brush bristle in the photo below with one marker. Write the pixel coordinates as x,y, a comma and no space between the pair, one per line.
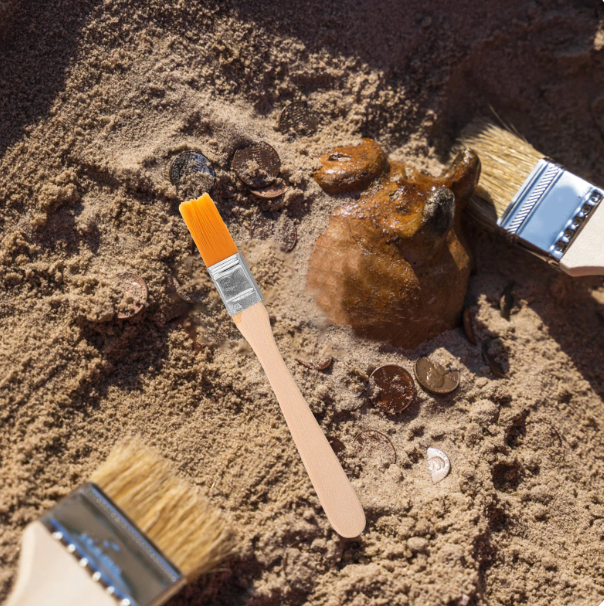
188,530
506,159
209,232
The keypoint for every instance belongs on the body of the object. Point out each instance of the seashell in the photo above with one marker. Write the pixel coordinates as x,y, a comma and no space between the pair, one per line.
438,464
393,264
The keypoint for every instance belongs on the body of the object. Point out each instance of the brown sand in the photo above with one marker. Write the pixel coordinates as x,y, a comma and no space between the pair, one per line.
96,95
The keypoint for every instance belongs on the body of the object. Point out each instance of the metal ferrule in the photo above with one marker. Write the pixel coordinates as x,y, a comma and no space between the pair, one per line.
235,283
549,210
115,553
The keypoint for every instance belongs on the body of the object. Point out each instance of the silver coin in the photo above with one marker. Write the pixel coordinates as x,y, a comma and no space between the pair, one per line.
189,163
298,119
438,464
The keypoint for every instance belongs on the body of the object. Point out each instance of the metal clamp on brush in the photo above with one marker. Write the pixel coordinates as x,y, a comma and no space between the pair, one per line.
131,569
235,283
549,210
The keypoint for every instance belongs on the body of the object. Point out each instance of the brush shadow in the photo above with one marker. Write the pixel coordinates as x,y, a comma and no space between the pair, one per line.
570,313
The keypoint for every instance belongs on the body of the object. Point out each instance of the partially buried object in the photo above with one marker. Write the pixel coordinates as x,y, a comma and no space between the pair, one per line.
375,447
435,378
192,174
393,264
395,388
438,464
134,295
257,165
298,119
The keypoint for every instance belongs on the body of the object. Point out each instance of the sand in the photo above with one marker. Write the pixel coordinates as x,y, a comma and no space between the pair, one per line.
96,97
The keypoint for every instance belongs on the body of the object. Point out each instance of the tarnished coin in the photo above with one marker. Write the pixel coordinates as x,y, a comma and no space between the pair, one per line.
298,119
192,173
396,389
287,235
438,464
434,378
134,295
256,165
506,301
274,190
468,326
374,446
321,364
491,362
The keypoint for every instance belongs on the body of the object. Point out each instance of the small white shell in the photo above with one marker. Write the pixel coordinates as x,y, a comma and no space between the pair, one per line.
438,464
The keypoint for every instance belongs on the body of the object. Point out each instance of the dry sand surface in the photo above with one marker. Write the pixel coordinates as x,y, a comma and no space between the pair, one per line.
96,97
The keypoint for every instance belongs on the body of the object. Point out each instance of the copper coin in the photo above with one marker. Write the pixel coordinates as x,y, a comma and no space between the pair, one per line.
189,163
287,235
434,378
396,389
256,165
491,362
373,444
467,326
506,301
270,191
298,119
322,364
134,295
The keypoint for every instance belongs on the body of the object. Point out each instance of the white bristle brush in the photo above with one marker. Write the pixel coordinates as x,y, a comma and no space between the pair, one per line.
133,536
539,205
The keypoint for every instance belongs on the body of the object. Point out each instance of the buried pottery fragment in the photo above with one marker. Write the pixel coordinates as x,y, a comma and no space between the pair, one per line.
393,264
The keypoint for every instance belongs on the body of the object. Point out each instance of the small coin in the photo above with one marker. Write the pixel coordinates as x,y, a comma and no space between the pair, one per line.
134,295
467,326
298,119
434,378
287,235
321,364
438,464
506,301
256,165
189,166
396,389
374,445
270,191
492,363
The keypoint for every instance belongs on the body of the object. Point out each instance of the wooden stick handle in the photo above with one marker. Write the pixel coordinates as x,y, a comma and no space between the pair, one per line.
51,576
585,256
335,492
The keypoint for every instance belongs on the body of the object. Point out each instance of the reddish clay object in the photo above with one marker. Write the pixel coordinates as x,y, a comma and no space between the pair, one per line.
393,265
352,168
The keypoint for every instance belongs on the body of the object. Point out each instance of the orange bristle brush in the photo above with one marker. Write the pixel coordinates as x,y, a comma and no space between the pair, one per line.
243,301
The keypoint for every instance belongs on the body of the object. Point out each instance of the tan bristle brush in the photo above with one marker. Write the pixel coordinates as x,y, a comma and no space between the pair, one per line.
243,301
133,536
548,210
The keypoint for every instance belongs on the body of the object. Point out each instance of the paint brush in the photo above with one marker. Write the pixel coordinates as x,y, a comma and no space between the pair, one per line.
542,207
133,536
243,300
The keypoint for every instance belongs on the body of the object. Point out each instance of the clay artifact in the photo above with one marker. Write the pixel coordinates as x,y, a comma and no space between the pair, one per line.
393,264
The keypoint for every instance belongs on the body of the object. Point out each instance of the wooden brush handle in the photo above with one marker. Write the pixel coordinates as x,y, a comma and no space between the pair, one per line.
49,575
337,496
585,256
